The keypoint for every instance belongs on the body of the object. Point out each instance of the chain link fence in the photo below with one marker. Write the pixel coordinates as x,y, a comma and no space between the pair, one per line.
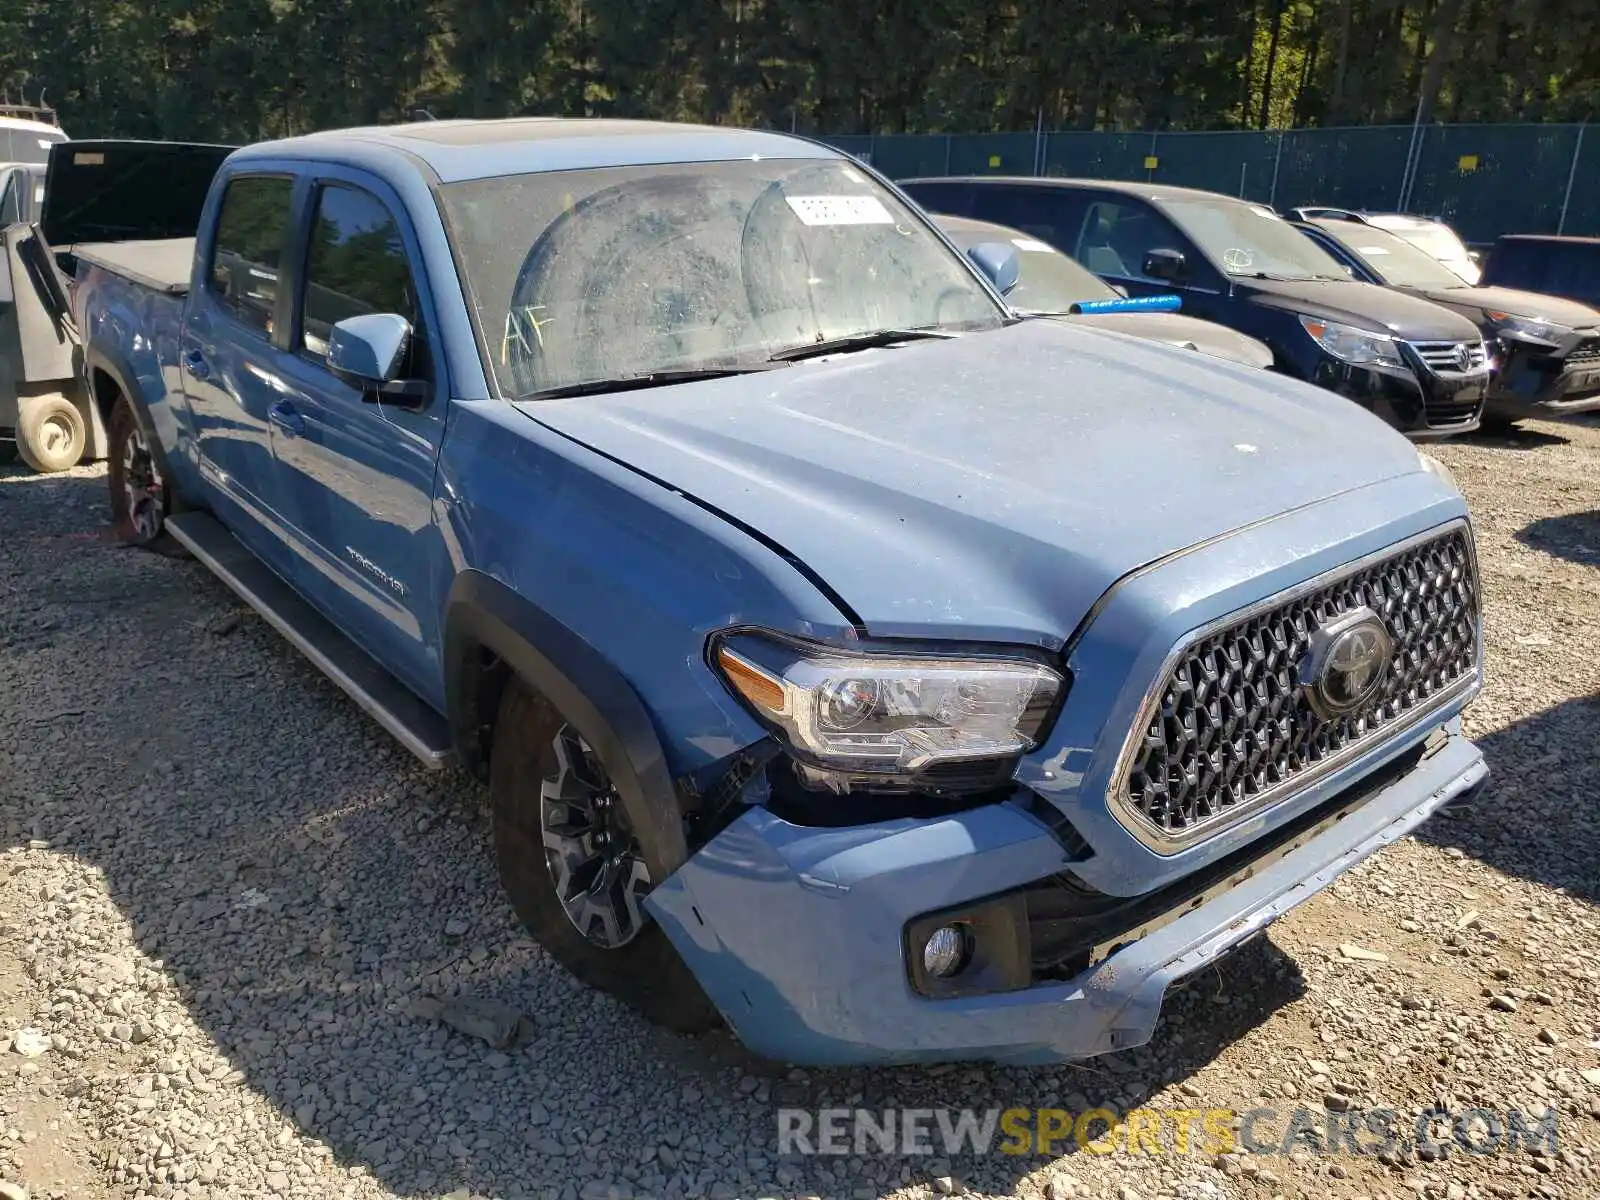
1485,180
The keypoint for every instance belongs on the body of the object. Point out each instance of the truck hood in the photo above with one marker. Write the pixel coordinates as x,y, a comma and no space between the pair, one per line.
1363,305
1473,302
1175,329
991,487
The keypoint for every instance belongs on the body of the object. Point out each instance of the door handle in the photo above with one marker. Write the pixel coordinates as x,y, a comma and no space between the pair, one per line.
283,415
195,363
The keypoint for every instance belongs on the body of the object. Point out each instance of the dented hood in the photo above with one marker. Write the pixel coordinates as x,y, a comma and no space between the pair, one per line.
995,485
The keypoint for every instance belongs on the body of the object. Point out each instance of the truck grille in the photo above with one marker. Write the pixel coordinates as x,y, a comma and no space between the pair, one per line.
1230,728
1446,358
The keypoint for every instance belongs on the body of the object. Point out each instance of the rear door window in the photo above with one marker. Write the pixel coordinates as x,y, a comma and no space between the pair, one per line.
252,229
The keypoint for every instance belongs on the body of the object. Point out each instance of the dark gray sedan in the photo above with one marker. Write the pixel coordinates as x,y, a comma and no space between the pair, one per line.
1050,284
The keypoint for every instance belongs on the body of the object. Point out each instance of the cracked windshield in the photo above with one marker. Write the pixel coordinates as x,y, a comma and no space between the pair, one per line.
628,273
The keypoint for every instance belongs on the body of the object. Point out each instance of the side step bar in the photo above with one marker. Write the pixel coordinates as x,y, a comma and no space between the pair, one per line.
388,701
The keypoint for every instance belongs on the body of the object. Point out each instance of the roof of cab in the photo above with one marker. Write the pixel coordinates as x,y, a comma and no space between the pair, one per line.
459,150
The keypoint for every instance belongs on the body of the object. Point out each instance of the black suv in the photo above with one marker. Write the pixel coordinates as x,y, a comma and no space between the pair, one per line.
1423,369
1547,349
1557,266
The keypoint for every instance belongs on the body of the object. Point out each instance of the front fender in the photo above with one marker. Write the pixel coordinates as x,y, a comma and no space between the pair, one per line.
482,614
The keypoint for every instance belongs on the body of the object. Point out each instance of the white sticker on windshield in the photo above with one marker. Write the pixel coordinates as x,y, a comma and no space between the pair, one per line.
1030,244
840,210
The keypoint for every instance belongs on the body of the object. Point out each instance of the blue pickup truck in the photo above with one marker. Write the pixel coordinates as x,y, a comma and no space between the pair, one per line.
849,661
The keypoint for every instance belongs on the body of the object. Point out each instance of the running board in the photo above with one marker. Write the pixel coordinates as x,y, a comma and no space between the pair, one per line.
388,701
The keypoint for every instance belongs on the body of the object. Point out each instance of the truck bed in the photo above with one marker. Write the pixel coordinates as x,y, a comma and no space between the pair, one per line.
162,265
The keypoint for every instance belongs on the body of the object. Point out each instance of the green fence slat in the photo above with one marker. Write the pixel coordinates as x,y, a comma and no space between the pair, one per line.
1484,180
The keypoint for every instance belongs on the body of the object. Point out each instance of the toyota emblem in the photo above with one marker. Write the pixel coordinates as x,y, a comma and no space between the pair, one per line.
1346,663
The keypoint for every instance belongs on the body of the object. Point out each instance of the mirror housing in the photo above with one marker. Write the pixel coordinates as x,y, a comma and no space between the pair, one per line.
1170,265
999,262
367,352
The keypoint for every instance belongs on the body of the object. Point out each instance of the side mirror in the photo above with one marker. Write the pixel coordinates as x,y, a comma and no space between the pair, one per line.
368,351
1170,265
1476,256
1000,263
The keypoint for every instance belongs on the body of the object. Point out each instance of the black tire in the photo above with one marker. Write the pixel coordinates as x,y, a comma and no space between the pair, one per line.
140,498
51,435
644,972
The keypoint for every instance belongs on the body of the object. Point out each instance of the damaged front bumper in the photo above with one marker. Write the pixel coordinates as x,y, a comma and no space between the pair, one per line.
1531,383
800,935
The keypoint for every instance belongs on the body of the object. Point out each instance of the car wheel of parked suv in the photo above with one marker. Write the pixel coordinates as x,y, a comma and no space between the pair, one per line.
50,432
572,865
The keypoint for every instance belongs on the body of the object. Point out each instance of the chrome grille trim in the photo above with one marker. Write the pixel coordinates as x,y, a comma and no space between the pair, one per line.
1443,358
1163,840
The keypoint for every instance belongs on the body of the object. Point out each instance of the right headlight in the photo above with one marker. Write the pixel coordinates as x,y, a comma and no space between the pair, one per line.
1543,331
1349,344
868,718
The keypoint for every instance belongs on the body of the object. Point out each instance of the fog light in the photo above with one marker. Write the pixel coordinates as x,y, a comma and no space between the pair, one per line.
946,951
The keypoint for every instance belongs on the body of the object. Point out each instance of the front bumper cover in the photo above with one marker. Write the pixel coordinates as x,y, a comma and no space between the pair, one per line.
1418,403
797,933
1531,383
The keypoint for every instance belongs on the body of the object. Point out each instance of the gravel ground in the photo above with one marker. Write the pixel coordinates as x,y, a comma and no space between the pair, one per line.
223,889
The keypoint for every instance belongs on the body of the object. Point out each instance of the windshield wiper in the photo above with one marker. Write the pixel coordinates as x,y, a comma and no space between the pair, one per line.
858,341
633,383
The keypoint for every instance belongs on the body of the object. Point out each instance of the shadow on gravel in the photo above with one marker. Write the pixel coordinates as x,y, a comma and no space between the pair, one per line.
1575,537
298,882
1515,437
1538,817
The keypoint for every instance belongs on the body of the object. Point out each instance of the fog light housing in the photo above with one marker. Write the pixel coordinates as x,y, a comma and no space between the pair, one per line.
969,949
947,951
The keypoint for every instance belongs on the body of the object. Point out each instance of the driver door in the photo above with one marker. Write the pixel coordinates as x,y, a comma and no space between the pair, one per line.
359,471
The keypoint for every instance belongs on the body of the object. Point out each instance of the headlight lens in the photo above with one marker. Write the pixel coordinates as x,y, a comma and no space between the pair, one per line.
1433,466
1545,331
885,716
1352,345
